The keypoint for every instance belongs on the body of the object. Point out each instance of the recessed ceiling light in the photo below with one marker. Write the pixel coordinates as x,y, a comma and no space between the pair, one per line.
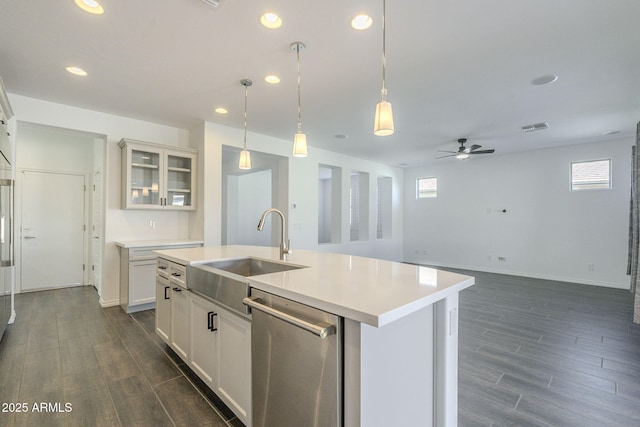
270,20
90,6
361,22
76,71
221,110
544,80
610,132
341,136
272,79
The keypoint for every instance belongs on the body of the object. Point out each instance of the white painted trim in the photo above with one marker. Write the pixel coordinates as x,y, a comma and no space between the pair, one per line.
522,274
111,303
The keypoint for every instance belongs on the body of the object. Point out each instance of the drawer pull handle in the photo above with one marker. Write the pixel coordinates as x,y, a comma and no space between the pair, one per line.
210,324
166,288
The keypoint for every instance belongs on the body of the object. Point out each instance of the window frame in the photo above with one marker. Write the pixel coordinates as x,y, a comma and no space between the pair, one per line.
576,187
435,192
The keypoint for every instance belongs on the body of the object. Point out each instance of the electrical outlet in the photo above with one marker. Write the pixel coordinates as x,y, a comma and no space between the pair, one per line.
591,267
152,224
502,259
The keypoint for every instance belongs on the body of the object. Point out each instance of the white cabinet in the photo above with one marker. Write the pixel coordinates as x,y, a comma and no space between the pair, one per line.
234,364
156,176
203,339
179,296
163,308
220,353
138,272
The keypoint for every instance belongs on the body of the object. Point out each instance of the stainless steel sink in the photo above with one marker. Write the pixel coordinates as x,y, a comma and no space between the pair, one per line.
226,282
248,267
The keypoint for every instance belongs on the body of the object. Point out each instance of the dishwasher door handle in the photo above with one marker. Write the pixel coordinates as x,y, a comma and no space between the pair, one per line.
322,330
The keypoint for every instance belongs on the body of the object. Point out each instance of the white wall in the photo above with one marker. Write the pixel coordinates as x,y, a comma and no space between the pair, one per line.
302,191
548,231
119,224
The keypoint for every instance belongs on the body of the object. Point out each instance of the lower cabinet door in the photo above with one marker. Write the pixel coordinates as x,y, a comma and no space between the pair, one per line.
163,308
234,364
180,321
204,322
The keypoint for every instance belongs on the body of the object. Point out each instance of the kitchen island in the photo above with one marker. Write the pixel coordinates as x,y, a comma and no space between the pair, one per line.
400,349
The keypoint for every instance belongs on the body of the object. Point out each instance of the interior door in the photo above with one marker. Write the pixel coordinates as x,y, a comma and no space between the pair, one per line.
52,233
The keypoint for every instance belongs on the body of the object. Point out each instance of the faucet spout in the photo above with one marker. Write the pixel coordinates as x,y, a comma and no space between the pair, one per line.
285,245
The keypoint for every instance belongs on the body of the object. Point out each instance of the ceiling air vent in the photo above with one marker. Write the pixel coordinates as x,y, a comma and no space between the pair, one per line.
212,3
536,126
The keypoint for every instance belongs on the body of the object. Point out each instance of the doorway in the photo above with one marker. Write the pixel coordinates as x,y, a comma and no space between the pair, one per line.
52,163
248,193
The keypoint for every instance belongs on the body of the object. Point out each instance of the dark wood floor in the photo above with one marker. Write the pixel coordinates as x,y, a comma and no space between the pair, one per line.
110,366
544,353
532,353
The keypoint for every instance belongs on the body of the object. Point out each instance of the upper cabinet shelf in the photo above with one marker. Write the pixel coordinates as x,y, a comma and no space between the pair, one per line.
156,176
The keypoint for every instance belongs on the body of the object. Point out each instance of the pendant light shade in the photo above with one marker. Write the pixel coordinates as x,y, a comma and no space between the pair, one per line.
245,160
245,155
300,139
383,122
383,125
300,145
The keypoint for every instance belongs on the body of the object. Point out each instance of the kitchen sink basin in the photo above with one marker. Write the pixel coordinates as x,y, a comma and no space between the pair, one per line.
226,282
248,267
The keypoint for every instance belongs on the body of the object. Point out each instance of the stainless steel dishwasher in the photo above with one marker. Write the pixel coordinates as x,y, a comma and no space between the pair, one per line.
296,353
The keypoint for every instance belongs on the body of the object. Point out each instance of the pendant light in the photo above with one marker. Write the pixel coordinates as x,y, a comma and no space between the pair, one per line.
300,139
245,156
383,124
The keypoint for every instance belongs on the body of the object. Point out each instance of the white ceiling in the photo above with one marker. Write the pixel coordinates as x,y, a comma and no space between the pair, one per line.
455,68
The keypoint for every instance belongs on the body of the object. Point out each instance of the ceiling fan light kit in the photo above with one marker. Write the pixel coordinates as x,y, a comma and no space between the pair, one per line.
465,152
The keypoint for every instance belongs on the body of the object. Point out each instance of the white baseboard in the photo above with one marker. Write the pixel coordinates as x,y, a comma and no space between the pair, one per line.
525,274
111,303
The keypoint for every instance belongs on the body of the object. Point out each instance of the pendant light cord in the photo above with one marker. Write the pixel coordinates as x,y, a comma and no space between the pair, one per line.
246,89
299,107
384,48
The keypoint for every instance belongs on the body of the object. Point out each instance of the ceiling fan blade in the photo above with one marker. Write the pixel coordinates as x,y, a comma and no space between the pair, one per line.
442,151
450,155
483,152
473,148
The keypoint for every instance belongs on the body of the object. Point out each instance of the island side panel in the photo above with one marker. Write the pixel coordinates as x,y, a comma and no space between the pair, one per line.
446,358
394,366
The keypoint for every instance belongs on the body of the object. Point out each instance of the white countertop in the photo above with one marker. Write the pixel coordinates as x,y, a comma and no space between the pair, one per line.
152,243
371,291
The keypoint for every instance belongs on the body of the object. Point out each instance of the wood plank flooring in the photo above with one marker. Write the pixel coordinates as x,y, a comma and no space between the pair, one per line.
111,367
543,353
532,353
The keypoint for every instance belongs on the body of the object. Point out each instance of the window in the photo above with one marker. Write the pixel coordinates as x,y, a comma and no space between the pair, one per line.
427,187
591,175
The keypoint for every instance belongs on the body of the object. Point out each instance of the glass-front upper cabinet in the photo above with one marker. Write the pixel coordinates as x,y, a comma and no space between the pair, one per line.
157,176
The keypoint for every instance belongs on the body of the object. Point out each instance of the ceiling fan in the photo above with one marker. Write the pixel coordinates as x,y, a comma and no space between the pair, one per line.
464,152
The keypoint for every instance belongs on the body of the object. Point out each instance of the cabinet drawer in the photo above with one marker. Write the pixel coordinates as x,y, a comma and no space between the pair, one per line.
163,268
178,274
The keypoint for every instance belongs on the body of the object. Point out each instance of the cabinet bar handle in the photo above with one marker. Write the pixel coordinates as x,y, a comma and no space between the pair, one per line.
166,288
210,316
177,289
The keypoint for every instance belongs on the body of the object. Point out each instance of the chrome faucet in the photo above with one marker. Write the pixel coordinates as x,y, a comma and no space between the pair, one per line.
285,245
